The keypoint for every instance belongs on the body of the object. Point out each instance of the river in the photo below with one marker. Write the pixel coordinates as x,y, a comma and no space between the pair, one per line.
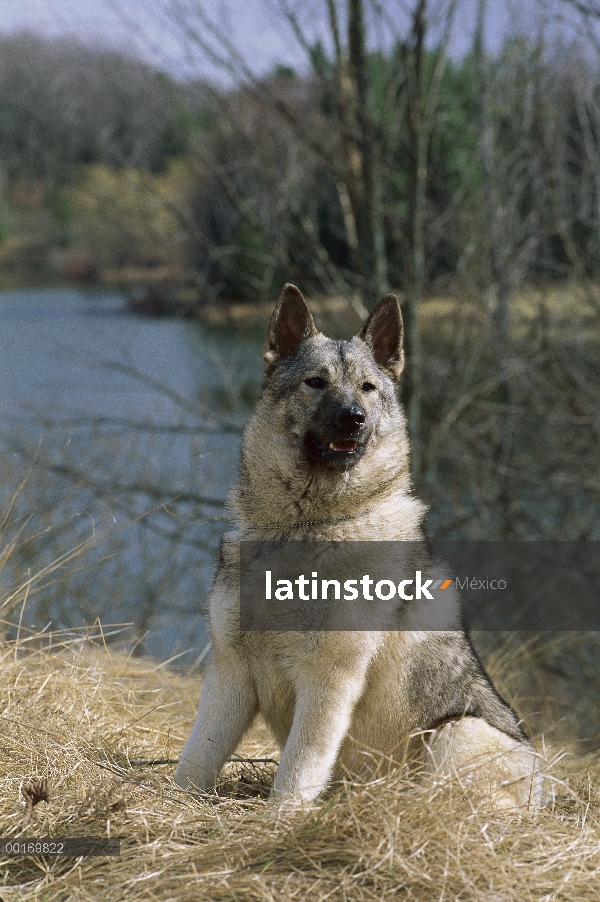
127,431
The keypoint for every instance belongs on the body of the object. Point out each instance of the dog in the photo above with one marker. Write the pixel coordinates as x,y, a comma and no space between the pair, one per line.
325,458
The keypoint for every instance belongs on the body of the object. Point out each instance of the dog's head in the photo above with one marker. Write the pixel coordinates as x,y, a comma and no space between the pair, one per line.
336,397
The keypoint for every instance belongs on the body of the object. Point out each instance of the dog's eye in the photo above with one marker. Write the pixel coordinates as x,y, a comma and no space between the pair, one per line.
315,382
367,386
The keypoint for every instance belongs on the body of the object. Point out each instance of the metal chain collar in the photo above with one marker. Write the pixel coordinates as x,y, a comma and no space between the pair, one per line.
311,522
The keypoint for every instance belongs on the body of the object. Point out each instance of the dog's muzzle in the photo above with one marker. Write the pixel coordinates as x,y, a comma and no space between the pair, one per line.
342,443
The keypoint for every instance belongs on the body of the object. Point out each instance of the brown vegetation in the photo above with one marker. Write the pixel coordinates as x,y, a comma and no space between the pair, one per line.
96,725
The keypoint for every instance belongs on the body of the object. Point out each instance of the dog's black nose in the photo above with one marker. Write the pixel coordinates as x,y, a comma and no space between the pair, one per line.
350,417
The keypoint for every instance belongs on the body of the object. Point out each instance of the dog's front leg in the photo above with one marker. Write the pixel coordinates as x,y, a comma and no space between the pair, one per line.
321,720
227,708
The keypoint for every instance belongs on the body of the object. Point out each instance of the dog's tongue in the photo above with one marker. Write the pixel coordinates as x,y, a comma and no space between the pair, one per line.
343,446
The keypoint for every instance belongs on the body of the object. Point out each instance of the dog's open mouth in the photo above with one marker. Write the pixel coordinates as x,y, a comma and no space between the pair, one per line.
336,453
343,447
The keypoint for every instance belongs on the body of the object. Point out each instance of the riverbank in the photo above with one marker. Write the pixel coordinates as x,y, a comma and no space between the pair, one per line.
98,725
159,291
170,292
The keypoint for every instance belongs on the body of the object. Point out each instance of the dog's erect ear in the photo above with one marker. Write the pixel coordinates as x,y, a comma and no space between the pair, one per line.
290,325
383,332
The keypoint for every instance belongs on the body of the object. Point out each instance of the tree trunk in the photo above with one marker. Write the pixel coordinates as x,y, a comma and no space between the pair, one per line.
364,187
499,265
419,147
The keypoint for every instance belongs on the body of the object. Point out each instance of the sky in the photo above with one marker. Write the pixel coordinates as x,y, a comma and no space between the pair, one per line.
257,29
142,27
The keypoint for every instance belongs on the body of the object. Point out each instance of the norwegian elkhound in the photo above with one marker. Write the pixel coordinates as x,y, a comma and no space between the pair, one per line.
325,458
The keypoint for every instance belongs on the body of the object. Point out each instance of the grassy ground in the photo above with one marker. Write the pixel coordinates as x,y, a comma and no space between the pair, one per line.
86,718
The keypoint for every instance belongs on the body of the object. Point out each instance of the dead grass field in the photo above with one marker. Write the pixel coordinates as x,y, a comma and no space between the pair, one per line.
86,718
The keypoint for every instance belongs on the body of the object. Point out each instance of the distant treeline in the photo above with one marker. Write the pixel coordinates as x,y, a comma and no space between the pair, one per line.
402,169
64,104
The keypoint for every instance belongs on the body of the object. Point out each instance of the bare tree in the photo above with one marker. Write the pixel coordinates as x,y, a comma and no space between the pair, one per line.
422,93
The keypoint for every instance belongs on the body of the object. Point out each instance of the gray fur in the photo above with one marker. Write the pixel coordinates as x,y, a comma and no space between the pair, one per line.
340,703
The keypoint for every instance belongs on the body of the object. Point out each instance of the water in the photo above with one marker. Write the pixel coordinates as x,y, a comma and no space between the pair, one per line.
128,430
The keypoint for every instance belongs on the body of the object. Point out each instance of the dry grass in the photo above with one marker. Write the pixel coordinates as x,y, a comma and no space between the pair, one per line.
84,717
